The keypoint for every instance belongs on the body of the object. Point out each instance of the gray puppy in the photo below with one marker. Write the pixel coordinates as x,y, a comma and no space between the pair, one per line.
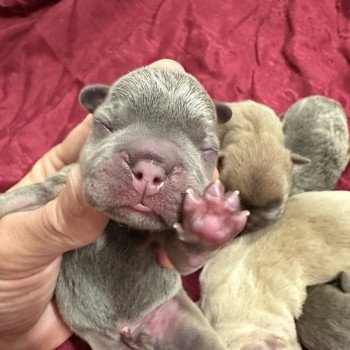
152,139
315,127
325,321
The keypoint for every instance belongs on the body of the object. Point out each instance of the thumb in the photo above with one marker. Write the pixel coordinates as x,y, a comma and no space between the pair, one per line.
63,224
69,219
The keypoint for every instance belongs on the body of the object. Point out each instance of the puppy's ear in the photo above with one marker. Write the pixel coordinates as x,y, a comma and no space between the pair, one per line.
299,160
92,96
223,111
344,282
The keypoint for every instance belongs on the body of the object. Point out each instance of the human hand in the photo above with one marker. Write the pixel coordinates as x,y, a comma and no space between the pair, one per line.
31,247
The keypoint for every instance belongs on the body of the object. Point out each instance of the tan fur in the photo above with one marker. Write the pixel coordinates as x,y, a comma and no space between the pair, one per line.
253,289
255,159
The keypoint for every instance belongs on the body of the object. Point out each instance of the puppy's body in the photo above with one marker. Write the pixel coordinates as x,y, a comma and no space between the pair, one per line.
253,289
152,138
316,127
325,322
254,160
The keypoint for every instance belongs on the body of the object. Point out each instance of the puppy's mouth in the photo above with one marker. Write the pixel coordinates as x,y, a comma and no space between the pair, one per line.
141,208
138,209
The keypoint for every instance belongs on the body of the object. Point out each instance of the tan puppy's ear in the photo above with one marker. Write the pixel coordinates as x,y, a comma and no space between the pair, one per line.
223,111
344,282
299,160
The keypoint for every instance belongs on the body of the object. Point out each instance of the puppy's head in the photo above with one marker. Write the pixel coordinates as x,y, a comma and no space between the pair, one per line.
260,168
152,138
262,174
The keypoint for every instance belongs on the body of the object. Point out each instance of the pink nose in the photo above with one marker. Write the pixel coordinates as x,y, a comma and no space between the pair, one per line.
148,177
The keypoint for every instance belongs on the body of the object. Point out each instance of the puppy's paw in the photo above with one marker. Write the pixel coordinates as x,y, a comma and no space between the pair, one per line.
212,219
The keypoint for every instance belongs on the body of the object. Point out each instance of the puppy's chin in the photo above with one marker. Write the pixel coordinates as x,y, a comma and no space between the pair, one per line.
147,221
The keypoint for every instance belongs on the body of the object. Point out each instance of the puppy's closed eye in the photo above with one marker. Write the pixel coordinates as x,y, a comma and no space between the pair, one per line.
102,128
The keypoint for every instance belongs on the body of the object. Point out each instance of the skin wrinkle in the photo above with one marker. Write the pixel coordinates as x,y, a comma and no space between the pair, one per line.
30,296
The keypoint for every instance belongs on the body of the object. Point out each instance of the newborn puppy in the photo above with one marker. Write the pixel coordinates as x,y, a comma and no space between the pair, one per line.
325,322
315,127
254,160
147,164
254,288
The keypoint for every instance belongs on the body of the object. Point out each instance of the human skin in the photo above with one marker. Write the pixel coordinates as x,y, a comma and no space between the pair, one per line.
32,244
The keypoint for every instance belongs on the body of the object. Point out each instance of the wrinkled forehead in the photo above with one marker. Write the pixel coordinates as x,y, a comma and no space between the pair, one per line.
166,97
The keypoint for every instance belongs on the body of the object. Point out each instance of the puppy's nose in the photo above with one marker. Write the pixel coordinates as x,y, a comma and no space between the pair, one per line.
148,177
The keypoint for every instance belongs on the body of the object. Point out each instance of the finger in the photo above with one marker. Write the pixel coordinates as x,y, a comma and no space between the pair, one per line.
168,64
163,259
65,153
67,222
37,332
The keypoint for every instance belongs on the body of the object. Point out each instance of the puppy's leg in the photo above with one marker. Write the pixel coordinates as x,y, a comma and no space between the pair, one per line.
33,196
178,324
209,221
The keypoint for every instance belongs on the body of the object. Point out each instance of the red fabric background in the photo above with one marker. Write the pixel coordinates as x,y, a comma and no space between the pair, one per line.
273,51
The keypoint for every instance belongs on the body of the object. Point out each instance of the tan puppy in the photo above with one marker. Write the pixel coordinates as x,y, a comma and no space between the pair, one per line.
253,289
254,160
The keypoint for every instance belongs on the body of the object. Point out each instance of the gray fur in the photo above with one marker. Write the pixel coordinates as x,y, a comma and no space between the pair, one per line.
115,281
325,321
35,196
315,127
96,302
